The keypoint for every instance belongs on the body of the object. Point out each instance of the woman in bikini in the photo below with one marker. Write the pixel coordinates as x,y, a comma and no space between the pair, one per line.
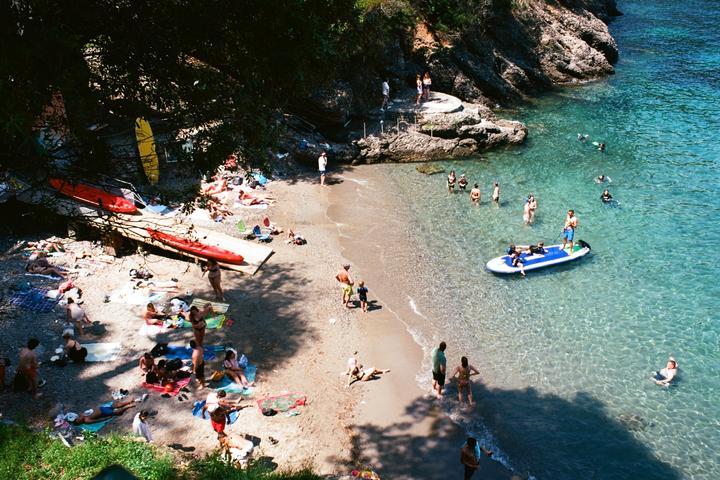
234,370
152,316
463,373
74,350
197,318
214,275
451,181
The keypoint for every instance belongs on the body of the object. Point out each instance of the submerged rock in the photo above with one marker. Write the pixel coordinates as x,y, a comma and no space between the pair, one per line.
430,168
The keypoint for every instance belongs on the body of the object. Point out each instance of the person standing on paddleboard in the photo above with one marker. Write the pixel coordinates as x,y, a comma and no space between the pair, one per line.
568,233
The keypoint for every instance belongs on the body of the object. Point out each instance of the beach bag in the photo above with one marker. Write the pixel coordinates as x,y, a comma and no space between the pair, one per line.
174,364
243,361
159,350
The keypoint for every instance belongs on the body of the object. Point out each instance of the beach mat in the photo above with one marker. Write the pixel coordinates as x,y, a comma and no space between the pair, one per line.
282,403
102,352
35,299
216,306
129,295
182,383
185,353
198,413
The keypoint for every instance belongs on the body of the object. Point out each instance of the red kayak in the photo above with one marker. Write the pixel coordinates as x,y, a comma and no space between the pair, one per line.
196,248
94,196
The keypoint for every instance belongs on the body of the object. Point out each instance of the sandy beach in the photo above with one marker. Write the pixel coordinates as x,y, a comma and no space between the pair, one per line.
289,321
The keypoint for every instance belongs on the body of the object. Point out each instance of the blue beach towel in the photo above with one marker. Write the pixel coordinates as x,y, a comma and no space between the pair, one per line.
34,299
231,387
197,412
185,353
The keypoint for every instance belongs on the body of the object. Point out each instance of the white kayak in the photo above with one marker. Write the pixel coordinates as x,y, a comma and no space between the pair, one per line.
554,255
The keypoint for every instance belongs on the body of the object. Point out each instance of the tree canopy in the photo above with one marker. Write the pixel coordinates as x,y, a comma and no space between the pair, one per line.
223,65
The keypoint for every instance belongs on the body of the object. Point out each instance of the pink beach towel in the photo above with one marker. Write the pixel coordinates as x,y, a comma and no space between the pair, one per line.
159,388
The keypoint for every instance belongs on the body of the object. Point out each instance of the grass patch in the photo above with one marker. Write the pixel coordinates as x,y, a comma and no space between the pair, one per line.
28,455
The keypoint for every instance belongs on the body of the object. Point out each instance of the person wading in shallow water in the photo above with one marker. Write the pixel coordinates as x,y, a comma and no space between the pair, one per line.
469,458
346,282
439,367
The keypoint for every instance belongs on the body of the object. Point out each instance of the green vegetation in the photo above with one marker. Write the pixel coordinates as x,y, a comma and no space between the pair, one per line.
27,455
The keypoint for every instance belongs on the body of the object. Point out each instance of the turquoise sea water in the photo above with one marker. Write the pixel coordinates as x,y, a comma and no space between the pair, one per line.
566,354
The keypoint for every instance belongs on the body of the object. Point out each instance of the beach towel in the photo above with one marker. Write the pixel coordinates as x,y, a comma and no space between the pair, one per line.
151,331
231,387
50,277
102,352
182,383
282,403
95,427
215,321
131,296
216,306
198,413
184,353
35,299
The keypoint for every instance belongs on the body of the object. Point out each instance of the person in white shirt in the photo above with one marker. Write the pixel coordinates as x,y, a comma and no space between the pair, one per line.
385,94
140,426
322,164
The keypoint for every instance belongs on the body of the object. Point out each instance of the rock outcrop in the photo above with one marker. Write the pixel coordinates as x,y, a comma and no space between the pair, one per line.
442,135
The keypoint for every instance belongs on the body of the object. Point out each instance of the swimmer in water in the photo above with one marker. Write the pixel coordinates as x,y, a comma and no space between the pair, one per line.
601,147
496,192
451,181
606,197
603,179
475,194
462,182
666,375
582,138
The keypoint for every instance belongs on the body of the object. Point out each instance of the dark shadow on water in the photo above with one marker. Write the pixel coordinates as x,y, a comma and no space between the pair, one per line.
542,434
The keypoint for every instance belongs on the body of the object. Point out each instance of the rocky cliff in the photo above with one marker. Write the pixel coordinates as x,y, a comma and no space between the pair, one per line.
511,51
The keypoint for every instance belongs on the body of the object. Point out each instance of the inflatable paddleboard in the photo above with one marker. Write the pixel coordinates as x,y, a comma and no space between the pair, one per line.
554,256
146,149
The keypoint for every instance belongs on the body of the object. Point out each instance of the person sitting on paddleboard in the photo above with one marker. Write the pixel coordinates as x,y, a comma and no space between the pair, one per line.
538,249
665,376
606,197
515,260
568,233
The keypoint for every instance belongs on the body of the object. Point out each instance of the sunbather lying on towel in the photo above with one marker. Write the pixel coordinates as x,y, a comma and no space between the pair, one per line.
101,413
41,266
213,188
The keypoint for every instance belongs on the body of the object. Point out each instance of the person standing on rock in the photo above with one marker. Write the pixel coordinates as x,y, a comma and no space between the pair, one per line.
418,89
347,282
322,165
385,94
426,84
496,192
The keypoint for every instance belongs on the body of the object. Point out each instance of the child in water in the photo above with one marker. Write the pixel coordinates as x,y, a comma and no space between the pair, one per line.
362,294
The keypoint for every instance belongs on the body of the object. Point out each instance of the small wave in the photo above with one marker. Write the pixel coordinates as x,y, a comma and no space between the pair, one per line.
414,308
359,182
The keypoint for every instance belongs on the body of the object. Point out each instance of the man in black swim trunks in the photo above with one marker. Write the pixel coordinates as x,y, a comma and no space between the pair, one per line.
439,367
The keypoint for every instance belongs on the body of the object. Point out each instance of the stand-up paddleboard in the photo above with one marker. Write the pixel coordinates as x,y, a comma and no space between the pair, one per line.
554,255
146,148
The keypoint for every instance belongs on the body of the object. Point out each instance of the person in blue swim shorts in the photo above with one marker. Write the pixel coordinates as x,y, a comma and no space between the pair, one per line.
568,233
101,413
